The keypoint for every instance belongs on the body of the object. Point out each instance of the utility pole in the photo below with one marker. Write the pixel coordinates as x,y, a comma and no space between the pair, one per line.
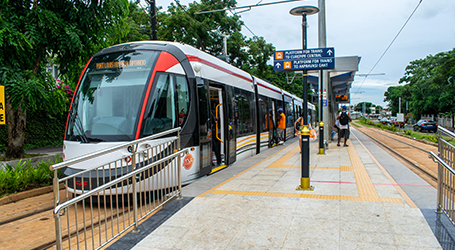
323,74
152,4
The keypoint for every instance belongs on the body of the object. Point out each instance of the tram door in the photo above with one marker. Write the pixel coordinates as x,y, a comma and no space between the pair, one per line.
218,121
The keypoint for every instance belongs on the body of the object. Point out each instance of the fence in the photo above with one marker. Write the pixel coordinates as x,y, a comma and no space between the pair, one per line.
108,199
446,173
442,120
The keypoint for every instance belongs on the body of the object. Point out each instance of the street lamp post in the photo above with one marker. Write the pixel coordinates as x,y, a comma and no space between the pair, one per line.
152,4
305,157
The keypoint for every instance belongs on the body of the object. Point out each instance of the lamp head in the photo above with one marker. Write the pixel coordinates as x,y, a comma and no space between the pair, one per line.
307,10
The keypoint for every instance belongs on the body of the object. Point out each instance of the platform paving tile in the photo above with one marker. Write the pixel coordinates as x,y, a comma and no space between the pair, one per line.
261,209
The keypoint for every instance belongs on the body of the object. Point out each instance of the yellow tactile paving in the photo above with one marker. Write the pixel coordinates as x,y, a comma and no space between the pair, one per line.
365,187
399,189
346,168
237,175
291,166
305,195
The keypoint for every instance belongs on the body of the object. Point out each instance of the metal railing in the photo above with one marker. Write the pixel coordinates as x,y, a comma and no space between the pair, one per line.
446,173
106,200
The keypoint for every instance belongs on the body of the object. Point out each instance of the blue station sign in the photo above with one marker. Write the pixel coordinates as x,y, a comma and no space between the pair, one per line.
304,59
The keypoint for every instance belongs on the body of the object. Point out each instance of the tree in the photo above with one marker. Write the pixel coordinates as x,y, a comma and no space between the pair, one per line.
34,32
204,31
392,95
137,25
367,105
259,53
428,84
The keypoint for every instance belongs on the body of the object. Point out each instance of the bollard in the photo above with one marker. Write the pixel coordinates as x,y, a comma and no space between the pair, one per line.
321,139
305,157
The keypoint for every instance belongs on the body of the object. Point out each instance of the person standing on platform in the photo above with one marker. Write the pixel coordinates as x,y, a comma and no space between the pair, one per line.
269,124
344,118
298,125
281,126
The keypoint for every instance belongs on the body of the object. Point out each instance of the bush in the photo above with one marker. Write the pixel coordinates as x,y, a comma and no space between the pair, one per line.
24,176
42,130
432,138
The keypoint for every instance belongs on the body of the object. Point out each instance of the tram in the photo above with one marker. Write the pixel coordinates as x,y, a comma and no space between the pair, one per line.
133,90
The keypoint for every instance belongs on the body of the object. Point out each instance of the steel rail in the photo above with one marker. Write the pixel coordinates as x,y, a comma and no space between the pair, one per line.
421,149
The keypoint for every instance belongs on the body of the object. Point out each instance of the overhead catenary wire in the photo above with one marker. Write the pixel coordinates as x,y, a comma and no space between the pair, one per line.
388,47
244,24
181,7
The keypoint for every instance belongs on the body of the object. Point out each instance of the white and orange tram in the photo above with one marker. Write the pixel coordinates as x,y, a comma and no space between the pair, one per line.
133,90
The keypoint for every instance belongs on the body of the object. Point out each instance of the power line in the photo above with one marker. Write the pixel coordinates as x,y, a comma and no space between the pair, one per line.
178,3
244,24
390,44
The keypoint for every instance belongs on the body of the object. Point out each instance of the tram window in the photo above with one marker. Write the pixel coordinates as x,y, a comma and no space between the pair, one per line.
161,114
246,111
289,113
263,114
183,99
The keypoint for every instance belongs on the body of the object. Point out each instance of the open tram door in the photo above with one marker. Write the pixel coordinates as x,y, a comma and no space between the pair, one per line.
218,127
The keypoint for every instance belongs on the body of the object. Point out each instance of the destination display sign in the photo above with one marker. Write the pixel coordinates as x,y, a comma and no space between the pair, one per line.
304,59
342,98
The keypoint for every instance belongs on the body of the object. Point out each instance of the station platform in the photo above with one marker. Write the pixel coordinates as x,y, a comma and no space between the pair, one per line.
363,198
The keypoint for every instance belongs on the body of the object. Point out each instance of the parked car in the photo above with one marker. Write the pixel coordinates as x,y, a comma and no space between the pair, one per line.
385,121
396,123
426,125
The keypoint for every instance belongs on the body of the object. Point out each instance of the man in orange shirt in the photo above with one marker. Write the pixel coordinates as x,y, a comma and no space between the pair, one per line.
281,126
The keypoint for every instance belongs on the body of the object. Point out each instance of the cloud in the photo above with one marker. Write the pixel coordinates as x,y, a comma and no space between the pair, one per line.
362,28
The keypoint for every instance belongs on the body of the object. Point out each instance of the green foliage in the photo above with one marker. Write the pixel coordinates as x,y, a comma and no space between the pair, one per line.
359,107
203,31
24,176
365,121
412,134
206,32
429,86
43,130
36,33
432,138
138,25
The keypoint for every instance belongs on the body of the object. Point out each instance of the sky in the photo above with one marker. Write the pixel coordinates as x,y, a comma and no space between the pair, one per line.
363,28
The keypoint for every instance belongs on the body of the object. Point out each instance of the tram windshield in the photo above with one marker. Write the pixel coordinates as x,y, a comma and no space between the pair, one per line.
107,103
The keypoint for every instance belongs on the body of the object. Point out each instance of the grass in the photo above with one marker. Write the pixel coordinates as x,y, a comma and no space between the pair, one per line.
412,134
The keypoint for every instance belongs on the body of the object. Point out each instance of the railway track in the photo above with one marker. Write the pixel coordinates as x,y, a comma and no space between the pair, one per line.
29,223
413,153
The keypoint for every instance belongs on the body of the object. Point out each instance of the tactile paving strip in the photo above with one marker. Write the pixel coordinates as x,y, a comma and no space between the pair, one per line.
365,186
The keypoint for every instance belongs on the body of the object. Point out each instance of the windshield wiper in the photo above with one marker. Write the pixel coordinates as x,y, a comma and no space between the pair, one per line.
74,118
93,139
